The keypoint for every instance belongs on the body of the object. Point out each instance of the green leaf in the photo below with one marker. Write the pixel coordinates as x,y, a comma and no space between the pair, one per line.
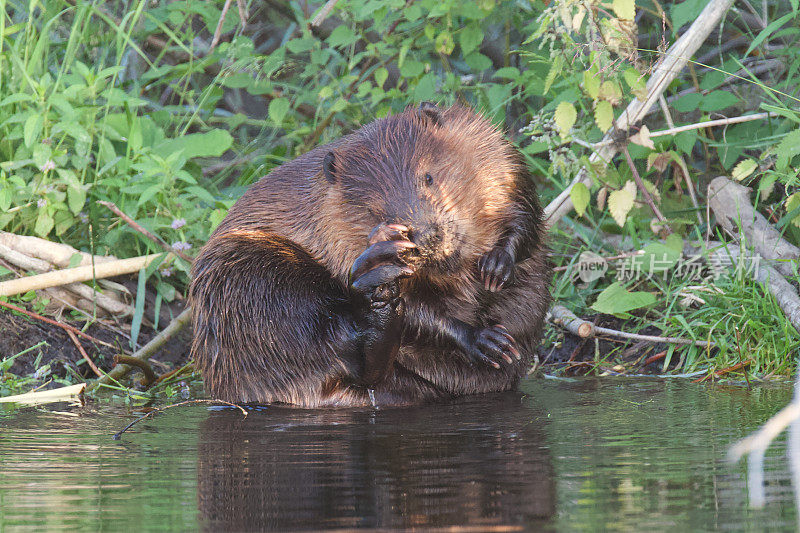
44,223
14,98
604,115
765,186
511,73
685,141
478,62
297,46
32,128
63,221
278,108
743,169
591,83
444,43
716,100
688,102
769,30
202,194
787,149
565,117
657,257
793,203
470,38
580,198
412,68
674,242
620,202
685,12
636,82
76,197
210,144
625,9
617,300
381,75
138,311
6,195
342,36
555,70
426,88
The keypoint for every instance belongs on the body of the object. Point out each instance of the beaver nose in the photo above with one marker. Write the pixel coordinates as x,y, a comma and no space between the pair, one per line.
427,236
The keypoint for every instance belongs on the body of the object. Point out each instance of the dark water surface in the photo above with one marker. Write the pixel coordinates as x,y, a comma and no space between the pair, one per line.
560,455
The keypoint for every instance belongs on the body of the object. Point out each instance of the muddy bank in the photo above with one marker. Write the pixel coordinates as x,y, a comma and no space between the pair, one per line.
18,333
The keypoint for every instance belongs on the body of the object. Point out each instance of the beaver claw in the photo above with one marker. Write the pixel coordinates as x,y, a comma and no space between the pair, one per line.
496,268
375,272
492,345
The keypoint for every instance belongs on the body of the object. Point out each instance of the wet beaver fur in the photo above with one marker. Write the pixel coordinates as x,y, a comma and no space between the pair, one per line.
403,262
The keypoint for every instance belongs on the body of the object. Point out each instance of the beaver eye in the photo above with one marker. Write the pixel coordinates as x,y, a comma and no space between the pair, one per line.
428,180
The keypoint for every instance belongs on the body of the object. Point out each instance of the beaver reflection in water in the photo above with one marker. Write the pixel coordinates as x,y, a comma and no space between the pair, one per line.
405,259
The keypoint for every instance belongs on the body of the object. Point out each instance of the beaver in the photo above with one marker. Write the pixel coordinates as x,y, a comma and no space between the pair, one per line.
401,263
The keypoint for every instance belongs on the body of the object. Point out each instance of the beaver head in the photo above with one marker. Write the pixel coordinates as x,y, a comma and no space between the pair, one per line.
446,173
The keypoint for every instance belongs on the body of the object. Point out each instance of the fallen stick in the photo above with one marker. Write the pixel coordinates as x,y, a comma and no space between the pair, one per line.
323,13
78,274
722,371
218,31
564,317
730,202
138,227
655,358
668,68
85,355
148,350
112,305
60,394
55,253
144,366
50,321
156,410
712,123
561,316
672,130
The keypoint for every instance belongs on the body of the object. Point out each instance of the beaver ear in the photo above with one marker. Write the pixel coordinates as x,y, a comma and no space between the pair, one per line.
329,167
430,111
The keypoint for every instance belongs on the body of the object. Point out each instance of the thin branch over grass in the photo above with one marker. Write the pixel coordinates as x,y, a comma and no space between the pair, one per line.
565,318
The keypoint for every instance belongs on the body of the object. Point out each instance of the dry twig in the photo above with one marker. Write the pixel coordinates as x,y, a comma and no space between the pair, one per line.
50,321
143,365
156,410
562,316
85,355
138,227
148,350
78,274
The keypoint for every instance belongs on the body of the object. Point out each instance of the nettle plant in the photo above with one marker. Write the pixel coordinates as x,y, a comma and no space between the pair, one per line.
75,128
597,67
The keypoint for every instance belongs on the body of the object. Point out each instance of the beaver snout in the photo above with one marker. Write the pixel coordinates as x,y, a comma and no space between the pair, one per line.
428,237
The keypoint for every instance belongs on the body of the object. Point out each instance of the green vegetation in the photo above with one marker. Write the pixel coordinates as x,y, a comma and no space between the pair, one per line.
130,102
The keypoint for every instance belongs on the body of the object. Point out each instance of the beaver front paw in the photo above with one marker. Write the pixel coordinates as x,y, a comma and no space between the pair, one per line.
375,272
497,267
491,346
